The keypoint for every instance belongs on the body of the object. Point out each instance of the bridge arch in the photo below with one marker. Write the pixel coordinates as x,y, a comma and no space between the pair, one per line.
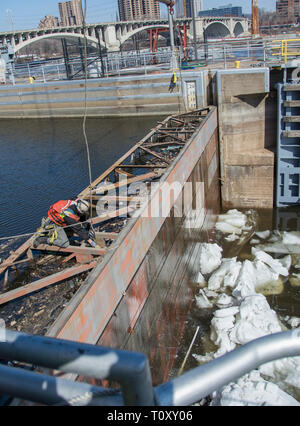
25,43
217,30
238,29
139,30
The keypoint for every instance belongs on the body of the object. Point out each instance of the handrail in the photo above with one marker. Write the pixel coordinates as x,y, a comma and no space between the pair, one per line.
128,368
284,48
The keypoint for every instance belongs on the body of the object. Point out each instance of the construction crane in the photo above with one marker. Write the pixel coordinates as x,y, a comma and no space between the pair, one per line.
255,27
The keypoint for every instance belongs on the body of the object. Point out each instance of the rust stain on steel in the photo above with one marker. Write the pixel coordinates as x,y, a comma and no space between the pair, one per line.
109,280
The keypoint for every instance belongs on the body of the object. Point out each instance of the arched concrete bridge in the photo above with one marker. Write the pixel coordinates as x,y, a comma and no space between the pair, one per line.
113,35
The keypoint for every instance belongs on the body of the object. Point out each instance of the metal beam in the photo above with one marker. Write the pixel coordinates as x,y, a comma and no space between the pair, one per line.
71,249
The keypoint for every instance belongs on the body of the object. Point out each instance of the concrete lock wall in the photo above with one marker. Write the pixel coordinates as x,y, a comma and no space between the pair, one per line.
136,95
247,132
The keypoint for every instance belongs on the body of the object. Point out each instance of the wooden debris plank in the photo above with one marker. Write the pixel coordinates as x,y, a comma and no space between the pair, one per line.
143,166
183,122
151,145
71,249
155,154
171,136
123,172
109,235
68,258
125,182
16,254
44,282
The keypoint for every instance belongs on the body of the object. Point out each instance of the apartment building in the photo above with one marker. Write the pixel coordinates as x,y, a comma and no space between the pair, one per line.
288,9
184,8
70,13
132,10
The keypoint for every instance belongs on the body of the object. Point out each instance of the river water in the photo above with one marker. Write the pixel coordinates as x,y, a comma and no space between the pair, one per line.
42,161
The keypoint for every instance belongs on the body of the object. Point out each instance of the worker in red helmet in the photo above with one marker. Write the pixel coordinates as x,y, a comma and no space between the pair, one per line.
64,220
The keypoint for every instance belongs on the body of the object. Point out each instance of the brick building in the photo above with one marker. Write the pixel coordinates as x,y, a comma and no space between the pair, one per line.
131,10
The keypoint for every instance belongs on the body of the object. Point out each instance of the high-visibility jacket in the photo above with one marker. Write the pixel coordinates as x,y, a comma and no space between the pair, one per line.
62,209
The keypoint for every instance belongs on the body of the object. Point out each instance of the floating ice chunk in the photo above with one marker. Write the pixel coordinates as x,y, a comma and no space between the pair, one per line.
227,228
245,284
271,287
285,372
257,319
267,281
224,301
275,237
210,293
199,279
274,264
226,312
294,322
232,276
286,261
202,301
236,220
220,328
253,242
263,235
232,237
203,359
210,257
217,278
264,274
291,237
253,390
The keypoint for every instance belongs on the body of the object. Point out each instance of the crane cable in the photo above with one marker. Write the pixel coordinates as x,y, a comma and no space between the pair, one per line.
84,13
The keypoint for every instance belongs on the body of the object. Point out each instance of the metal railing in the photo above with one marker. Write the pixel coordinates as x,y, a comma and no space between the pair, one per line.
130,369
145,61
284,46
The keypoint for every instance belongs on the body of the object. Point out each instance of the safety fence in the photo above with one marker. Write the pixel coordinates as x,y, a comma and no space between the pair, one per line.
131,370
144,61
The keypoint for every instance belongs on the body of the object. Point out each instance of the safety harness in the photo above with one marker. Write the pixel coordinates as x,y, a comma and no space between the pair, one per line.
47,229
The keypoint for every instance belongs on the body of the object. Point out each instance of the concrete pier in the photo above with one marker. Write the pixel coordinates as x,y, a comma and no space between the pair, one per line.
247,131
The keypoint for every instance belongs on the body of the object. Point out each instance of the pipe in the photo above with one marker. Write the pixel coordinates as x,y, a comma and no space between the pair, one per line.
196,384
49,390
130,369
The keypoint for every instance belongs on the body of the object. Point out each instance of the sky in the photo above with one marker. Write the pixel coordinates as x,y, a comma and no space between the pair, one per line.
26,14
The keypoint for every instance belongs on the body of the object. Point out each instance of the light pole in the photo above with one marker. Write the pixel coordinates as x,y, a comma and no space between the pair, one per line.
10,16
170,5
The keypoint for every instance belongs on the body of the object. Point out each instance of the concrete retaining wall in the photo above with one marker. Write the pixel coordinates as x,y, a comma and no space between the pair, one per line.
136,95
